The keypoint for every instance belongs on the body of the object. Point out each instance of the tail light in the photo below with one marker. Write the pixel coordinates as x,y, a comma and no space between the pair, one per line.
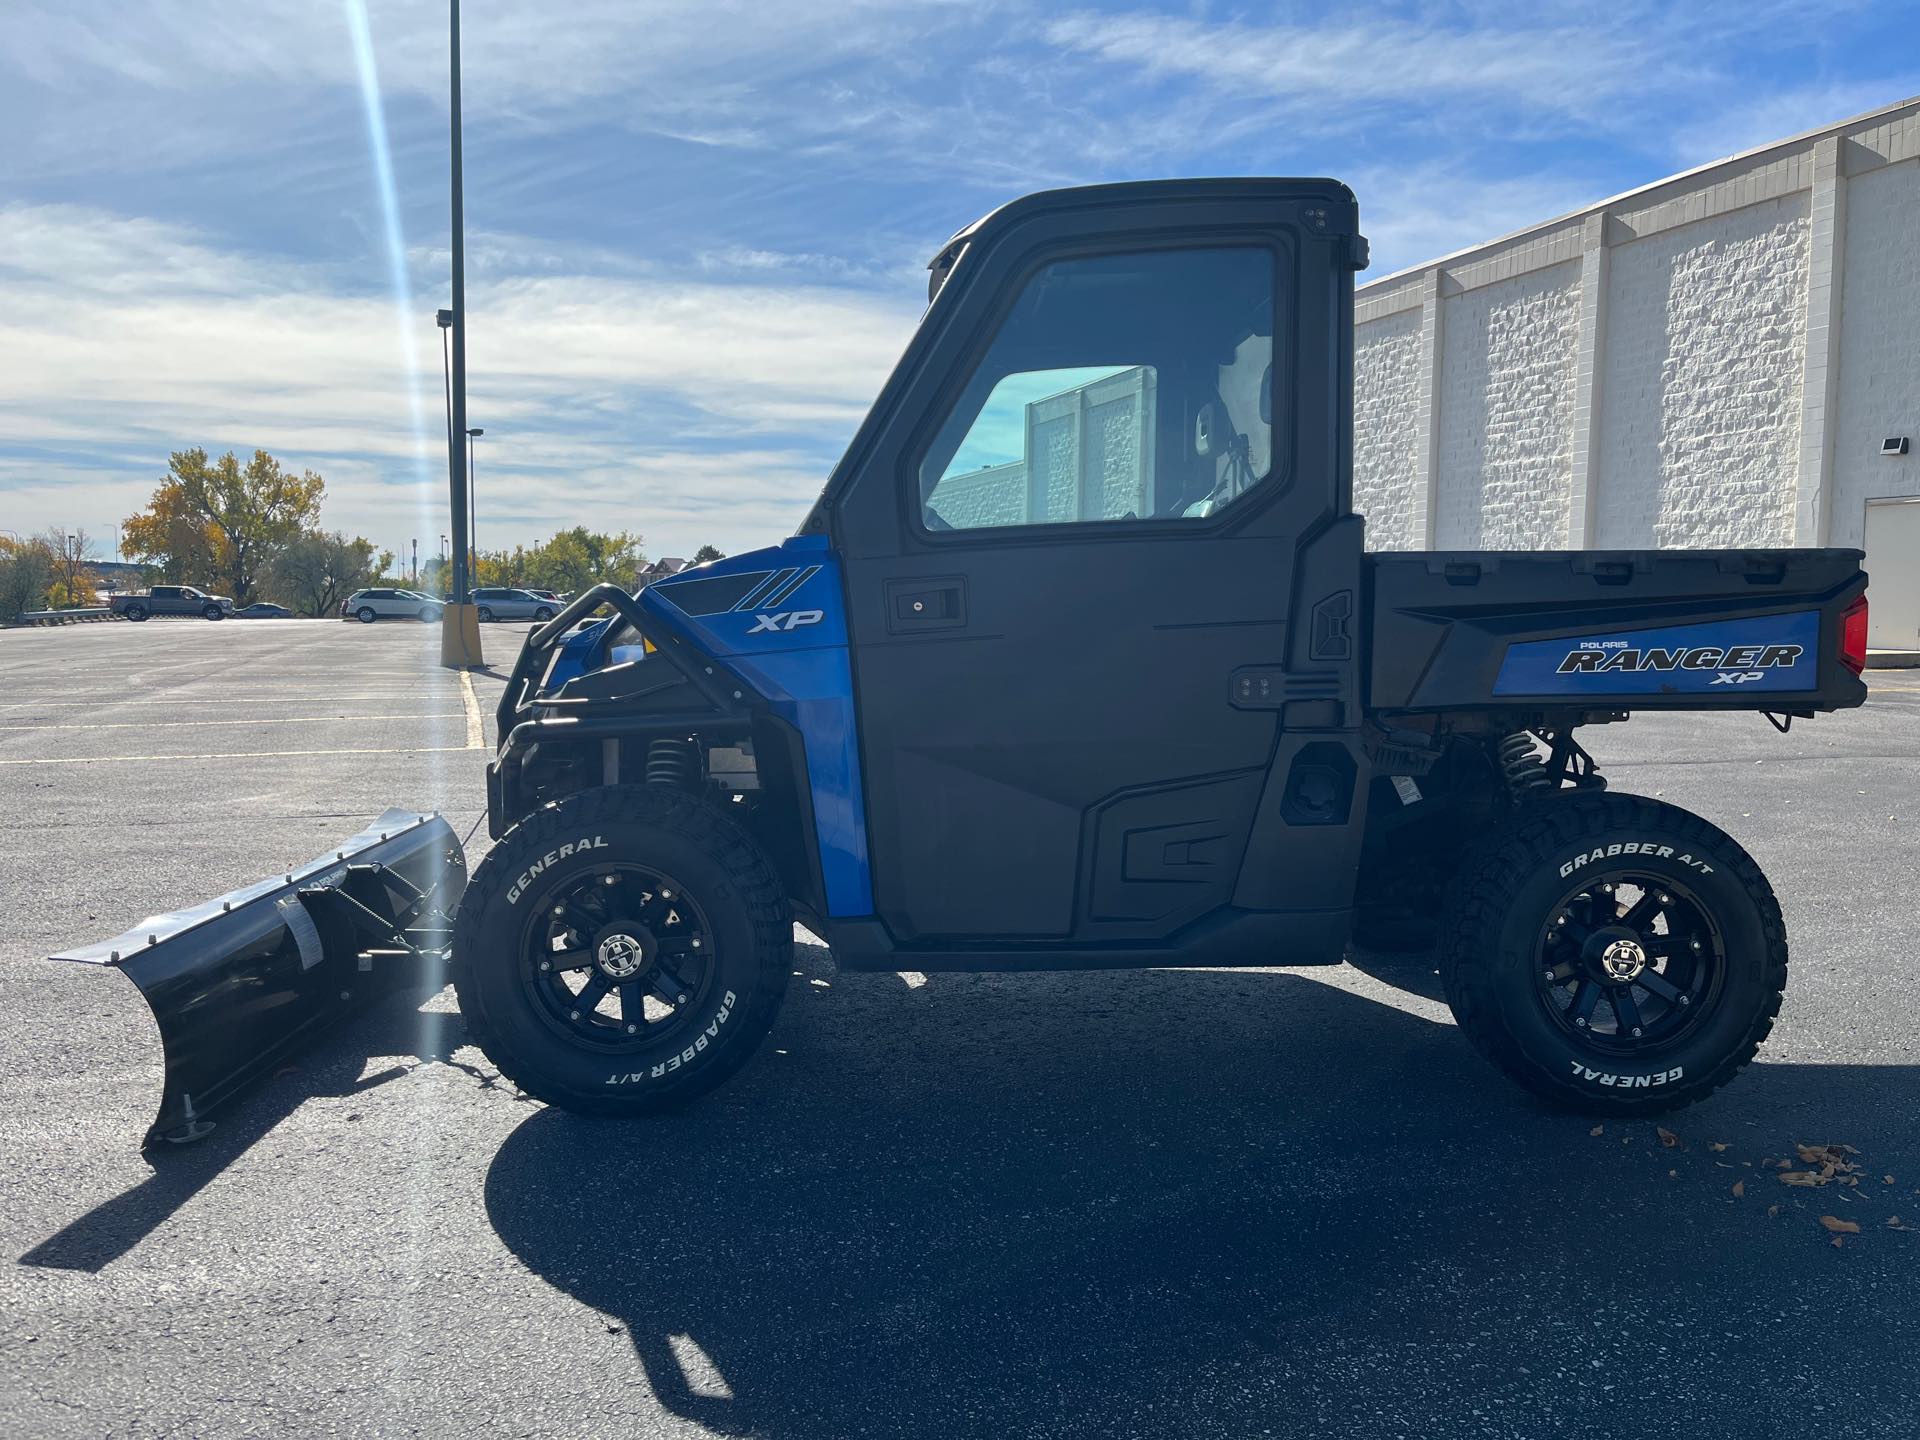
1853,636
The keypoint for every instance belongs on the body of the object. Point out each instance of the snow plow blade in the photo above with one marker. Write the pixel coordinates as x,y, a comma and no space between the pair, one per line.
239,983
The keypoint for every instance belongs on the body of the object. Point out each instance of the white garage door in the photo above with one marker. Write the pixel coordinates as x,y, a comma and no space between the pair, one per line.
1893,565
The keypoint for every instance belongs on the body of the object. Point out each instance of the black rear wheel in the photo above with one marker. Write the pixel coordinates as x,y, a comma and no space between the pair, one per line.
366,615
136,612
623,951
1614,954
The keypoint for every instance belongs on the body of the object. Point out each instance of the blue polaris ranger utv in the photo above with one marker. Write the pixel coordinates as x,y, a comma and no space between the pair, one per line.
1080,661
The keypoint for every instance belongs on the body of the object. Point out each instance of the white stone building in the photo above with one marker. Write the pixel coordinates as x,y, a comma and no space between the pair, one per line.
1719,359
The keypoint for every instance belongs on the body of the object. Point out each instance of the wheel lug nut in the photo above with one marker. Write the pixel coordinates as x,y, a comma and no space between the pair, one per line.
1686,999
632,1028
1636,1032
1694,944
574,1016
696,942
1580,1023
546,965
1547,975
1666,899
1560,920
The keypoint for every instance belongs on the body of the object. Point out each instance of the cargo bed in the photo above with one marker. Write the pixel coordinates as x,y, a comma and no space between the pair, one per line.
1613,629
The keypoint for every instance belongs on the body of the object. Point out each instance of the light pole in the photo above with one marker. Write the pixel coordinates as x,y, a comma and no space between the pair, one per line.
460,632
473,498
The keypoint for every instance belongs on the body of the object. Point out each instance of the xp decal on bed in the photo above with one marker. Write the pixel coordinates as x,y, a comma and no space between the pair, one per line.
1080,660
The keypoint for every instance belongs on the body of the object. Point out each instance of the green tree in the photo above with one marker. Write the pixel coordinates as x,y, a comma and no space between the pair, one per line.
572,560
317,571
26,572
220,523
706,553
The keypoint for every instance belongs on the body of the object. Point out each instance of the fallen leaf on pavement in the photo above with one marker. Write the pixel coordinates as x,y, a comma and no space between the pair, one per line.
1716,1146
1893,1223
1804,1179
1739,1187
1772,1210
1667,1137
1598,1130
1839,1226
1886,1179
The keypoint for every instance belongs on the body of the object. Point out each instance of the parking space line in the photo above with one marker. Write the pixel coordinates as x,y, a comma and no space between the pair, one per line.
225,700
274,720
242,755
476,736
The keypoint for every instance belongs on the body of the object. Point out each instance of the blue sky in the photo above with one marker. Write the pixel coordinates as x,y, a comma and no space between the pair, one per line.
697,231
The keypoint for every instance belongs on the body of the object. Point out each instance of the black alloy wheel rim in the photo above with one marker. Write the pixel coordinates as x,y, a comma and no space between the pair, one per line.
1629,962
618,958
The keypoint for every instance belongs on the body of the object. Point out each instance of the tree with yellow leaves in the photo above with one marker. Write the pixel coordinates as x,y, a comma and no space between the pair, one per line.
218,523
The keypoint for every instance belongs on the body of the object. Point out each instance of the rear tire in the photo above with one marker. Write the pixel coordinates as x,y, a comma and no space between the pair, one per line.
1538,939
667,942
365,615
136,613
485,613
543,613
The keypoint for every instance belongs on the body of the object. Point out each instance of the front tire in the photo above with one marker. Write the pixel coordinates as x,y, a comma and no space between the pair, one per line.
365,615
214,612
623,951
1614,954
543,613
486,613
428,614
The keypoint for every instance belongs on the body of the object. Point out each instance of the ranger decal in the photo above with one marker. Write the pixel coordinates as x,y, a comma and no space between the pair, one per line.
1770,652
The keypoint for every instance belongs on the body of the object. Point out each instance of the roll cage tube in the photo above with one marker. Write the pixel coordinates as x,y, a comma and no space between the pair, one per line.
525,718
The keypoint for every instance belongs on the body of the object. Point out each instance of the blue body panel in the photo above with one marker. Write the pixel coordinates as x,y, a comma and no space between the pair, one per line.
1770,652
787,638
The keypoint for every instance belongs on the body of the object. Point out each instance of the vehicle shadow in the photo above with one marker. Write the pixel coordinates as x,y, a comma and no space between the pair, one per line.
1223,1202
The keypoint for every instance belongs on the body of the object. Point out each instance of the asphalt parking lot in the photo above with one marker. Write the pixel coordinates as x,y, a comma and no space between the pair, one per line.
1286,1202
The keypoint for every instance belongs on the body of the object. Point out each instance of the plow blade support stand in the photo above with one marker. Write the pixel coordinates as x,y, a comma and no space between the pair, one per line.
241,982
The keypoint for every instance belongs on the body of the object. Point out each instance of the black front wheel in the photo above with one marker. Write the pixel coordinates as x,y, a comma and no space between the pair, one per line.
623,951
1615,954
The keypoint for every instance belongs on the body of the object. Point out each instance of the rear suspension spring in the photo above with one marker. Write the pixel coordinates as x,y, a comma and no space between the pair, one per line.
1520,763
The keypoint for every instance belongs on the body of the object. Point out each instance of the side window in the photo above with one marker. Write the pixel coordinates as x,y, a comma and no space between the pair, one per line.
1118,388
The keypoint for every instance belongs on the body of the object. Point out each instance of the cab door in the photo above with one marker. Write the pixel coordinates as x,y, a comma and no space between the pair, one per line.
1070,536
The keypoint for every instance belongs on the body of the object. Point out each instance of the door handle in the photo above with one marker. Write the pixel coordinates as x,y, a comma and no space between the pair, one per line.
931,603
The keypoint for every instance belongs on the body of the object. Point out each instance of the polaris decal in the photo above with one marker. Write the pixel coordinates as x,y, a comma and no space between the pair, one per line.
1772,652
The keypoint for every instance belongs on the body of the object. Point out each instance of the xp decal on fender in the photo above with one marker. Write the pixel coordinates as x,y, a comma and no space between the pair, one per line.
622,951
1615,954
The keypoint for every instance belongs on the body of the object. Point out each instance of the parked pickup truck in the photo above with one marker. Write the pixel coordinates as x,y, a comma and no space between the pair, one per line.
170,600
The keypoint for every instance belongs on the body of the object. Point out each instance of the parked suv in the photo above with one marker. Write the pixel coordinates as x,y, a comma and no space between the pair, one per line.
499,603
367,606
